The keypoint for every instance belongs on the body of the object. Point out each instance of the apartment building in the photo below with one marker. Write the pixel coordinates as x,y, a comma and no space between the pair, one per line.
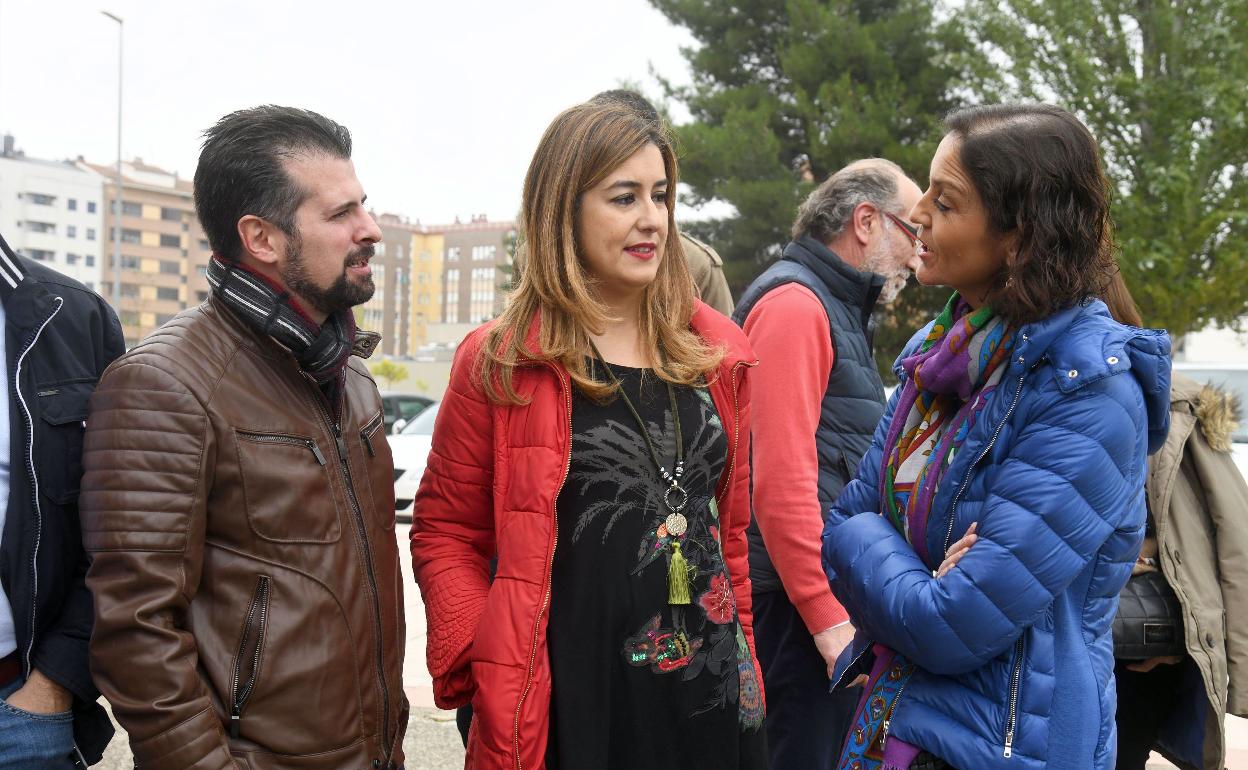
164,252
52,211
476,268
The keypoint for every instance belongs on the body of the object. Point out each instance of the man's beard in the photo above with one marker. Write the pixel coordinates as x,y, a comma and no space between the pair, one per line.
880,260
342,294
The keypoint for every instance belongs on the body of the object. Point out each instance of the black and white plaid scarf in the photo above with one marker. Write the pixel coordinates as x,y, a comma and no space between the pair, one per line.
321,351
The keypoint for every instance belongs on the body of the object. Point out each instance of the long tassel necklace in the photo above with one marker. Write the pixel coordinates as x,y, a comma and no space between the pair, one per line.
675,498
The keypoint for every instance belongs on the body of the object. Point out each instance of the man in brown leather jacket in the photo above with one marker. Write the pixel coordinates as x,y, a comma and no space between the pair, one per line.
238,500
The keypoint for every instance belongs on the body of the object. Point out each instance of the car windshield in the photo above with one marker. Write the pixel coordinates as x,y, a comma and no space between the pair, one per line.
422,424
1233,381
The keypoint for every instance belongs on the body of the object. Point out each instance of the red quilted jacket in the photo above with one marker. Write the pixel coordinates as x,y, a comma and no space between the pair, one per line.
490,486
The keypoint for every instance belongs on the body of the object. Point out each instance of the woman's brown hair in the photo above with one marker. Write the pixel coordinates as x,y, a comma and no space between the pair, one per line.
579,149
1037,170
1120,302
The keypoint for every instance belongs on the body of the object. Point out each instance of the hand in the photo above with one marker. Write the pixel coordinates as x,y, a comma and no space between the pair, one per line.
958,550
1145,666
41,695
831,642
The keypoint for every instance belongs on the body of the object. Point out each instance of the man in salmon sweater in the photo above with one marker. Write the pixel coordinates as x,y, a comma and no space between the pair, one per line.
817,398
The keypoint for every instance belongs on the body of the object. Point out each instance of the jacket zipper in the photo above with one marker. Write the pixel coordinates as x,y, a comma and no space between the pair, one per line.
1016,679
257,617
953,514
278,438
345,467
550,564
366,433
892,711
736,428
34,479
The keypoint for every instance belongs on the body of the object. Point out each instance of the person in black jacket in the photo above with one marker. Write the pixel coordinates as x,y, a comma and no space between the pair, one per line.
58,338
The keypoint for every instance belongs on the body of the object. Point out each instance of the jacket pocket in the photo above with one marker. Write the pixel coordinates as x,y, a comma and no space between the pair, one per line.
287,488
57,434
381,474
250,652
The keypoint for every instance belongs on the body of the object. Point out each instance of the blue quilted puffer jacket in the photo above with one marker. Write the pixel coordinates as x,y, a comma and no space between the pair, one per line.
1015,664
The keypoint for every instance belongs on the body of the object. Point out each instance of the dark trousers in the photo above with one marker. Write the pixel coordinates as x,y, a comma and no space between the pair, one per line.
806,724
1145,703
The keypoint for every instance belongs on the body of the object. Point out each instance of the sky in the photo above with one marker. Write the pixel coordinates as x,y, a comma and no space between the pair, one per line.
446,101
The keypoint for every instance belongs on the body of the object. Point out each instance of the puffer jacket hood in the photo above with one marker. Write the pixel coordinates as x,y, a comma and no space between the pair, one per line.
1015,664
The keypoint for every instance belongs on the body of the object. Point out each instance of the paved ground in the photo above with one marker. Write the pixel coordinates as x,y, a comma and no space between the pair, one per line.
432,742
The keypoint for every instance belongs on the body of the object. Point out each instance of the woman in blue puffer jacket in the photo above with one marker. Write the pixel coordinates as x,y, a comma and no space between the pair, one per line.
981,548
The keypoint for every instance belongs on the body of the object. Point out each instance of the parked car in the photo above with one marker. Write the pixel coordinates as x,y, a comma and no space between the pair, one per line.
410,447
1233,378
402,406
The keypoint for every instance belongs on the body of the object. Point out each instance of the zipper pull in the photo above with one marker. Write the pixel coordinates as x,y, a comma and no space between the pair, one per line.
1009,744
316,452
884,737
235,722
342,445
368,444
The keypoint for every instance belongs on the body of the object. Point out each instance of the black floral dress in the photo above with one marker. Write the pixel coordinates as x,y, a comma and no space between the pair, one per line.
638,682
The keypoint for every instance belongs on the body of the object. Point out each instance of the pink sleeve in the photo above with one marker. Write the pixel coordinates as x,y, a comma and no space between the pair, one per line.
789,331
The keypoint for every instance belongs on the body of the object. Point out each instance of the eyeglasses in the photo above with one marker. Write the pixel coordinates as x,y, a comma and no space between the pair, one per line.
910,230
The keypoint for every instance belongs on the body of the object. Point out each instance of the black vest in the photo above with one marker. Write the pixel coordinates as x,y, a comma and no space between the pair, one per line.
854,400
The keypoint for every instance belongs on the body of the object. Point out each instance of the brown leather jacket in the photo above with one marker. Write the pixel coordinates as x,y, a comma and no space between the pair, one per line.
248,598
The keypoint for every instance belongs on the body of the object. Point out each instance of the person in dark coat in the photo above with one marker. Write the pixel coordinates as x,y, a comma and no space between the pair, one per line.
58,338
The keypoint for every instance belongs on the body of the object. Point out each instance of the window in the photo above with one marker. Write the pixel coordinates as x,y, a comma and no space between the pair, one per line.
90,260
170,215
90,207
131,236
71,204
202,270
131,263
130,209
39,198
204,245
452,297
129,317
171,241
201,296
170,268
71,231
71,259
452,254
129,290
482,296
41,255
482,253
90,233
40,227
163,318
167,292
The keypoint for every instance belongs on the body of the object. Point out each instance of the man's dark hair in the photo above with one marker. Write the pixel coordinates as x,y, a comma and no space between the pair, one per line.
1038,172
242,169
629,99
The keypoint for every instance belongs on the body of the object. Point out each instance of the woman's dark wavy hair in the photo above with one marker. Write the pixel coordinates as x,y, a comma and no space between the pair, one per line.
1038,171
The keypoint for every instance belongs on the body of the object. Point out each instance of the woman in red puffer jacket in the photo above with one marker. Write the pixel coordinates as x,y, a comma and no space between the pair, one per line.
595,439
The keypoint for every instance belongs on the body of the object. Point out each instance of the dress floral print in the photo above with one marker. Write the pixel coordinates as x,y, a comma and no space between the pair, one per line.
690,663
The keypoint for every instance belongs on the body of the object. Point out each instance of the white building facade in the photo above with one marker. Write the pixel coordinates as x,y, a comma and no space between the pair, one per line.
53,212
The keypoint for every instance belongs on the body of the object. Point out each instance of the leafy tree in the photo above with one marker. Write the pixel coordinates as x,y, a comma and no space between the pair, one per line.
1162,84
390,371
832,80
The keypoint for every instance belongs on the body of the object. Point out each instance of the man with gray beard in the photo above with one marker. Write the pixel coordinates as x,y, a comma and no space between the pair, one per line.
238,500
816,400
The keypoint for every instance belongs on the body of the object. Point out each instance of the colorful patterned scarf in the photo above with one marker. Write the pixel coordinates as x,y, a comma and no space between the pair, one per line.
950,380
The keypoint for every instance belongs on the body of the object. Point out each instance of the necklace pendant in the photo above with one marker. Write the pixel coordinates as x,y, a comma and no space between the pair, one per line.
676,524
675,498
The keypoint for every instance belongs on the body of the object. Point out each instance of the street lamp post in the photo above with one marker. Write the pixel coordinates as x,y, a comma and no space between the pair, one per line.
121,26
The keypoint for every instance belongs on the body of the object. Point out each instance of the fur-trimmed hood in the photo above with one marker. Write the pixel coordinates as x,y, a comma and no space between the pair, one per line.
1217,411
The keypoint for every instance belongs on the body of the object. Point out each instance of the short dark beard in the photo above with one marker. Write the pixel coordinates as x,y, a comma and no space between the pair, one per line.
342,294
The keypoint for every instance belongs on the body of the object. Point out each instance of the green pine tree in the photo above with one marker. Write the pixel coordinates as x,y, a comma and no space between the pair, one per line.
832,81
